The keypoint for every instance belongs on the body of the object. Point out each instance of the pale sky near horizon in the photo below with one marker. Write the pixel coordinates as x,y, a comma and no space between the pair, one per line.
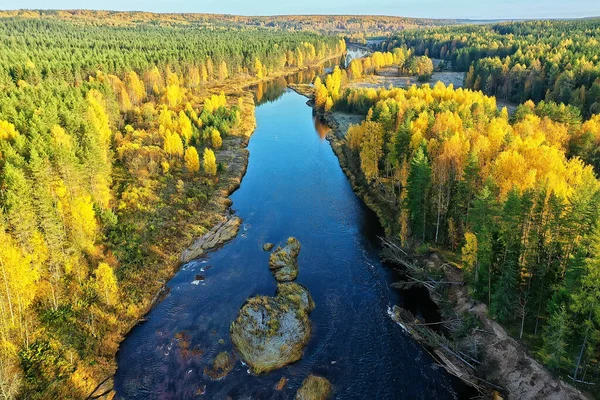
472,9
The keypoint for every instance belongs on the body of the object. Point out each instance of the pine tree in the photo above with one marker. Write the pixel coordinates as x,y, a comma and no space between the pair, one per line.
505,296
586,303
466,190
402,142
19,206
482,223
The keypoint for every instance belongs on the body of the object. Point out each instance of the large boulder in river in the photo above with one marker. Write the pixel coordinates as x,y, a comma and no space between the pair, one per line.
284,261
314,388
271,332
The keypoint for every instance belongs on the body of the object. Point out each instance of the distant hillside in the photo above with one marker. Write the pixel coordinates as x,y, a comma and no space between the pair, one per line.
368,25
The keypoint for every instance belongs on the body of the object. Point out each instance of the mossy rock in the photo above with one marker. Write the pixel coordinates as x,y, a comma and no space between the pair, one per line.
268,246
294,293
314,388
284,261
271,332
222,365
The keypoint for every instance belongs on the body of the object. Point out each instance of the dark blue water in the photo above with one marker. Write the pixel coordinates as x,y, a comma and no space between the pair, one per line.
294,186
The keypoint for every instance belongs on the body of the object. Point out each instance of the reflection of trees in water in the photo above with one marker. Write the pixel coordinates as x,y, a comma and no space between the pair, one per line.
305,76
320,126
266,92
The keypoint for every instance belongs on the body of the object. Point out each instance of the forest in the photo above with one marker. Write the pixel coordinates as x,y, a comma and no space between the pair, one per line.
358,26
503,192
121,135
110,162
519,61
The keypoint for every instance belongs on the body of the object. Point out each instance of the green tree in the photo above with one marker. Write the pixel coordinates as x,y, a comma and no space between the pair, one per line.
554,351
418,187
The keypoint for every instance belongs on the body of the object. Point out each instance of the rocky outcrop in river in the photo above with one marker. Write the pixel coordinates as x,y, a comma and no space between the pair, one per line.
314,388
268,246
284,261
219,234
271,332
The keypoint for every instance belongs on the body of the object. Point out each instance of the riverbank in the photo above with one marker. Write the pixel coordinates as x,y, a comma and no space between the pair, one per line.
193,232
189,226
467,342
498,365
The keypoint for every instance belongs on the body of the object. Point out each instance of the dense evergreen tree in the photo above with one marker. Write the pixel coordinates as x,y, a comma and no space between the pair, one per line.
417,192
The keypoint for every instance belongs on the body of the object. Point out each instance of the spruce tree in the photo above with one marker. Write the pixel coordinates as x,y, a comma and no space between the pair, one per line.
555,347
418,187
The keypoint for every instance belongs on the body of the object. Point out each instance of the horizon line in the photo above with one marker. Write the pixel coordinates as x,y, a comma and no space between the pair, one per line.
307,15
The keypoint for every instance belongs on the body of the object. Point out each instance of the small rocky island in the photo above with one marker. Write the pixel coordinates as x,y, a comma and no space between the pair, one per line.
272,331
314,388
283,262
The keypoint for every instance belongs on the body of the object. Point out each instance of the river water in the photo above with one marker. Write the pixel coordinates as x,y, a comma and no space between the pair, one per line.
294,186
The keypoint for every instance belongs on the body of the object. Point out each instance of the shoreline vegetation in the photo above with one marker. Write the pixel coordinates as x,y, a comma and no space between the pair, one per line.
401,149
506,366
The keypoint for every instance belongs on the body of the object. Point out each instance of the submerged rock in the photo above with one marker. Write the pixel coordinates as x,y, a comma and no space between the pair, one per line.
314,388
268,246
281,384
271,332
222,365
284,261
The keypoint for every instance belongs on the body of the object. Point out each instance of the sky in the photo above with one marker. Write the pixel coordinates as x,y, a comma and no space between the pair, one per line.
471,9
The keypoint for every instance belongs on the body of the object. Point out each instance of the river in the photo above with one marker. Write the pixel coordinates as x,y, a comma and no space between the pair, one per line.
294,186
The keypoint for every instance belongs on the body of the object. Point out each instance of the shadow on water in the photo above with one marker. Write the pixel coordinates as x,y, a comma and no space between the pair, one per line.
294,186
